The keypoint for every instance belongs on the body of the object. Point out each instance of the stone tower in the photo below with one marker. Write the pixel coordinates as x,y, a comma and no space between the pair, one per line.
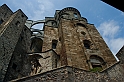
78,43
67,49
11,26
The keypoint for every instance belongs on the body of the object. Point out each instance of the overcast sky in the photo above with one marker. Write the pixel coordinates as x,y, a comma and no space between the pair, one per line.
108,20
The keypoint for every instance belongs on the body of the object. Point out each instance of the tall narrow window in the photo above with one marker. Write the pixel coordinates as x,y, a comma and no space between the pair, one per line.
54,44
1,21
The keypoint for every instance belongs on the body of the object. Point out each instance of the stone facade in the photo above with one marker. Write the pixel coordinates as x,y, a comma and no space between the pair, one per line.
68,49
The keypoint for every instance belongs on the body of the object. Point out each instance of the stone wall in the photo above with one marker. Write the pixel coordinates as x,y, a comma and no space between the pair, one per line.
19,65
5,12
114,73
70,74
50,34
10,31
101,46
120,55
46,61
71,44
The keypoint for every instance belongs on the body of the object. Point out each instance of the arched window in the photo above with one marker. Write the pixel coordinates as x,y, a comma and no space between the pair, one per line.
87,44
54,44
96,62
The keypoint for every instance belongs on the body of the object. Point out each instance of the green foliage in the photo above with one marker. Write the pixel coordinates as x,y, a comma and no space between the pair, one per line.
96,69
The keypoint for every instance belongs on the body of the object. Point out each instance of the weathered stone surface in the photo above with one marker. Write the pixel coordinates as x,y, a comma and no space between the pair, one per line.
19,66
68,49
10,31
71,74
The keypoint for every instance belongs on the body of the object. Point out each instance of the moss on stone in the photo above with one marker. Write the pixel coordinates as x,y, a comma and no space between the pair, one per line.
96,69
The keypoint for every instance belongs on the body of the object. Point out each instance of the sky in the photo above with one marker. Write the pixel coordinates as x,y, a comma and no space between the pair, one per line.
108,20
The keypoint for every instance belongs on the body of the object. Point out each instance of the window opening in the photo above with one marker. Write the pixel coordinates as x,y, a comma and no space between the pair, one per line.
96,62
54,44
82,32
59,38
80,24
87,44
52,23
75,15
22,15
1,21
14,66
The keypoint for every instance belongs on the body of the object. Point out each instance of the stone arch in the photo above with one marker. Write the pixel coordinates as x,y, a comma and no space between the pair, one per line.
37,30
30,23
97,62
51,23
36,44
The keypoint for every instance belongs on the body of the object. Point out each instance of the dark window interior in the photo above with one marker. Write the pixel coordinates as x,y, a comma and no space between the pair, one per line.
86,45
54,44
94,66
83,33
80,24
14,66
1,21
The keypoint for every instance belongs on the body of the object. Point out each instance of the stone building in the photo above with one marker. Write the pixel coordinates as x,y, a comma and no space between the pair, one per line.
68,49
